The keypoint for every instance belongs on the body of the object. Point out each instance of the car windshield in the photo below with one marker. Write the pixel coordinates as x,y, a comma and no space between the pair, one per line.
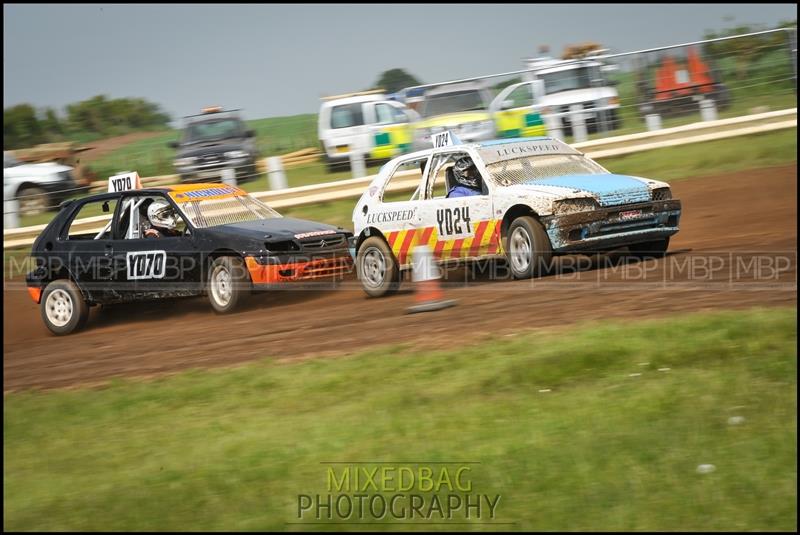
555,82
204,213
213,130
456,102
530,168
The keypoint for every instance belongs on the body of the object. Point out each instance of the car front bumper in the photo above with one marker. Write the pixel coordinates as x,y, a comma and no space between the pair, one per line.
245,170
613,227
269,274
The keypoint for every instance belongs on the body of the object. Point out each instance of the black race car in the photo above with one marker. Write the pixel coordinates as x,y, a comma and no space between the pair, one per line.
175,241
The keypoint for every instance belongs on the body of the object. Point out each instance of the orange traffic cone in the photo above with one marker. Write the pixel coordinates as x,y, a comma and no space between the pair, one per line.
425,275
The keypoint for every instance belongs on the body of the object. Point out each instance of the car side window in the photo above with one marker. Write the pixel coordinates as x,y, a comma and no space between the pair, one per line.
134,220
347,115
383,113
408,171
83,231
521,97
440,179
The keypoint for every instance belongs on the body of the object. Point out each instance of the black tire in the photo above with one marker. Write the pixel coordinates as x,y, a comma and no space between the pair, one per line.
377,268
528,250
228,285
63,308
652,249
33,201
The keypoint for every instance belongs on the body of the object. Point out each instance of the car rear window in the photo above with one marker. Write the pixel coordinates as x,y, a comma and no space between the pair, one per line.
347,115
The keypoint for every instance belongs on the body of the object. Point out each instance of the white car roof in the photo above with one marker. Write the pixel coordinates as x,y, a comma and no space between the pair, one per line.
352,100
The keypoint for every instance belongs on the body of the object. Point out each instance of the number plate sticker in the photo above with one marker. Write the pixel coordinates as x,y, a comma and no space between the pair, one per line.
454,222
146,265
630,214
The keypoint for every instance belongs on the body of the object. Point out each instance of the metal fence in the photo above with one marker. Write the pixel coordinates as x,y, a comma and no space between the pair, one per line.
598,96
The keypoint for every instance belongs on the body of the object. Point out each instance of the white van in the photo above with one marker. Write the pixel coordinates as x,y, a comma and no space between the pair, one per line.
553,86
367,122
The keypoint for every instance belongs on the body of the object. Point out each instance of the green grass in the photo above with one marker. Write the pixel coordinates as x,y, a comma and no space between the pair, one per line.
603,450
152,156
710,157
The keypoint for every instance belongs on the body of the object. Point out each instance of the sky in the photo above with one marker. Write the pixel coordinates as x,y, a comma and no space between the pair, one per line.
273,60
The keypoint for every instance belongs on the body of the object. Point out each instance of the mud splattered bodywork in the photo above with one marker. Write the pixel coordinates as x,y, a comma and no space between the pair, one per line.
583,207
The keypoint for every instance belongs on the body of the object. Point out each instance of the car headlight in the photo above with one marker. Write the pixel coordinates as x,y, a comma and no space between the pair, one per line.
662,194
183,162
234,154
570,206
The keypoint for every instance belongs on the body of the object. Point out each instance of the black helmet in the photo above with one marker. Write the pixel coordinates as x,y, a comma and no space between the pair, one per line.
465,173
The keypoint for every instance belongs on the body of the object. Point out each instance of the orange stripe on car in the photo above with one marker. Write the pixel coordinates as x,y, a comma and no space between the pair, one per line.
294,271
390,239
476,242
404,248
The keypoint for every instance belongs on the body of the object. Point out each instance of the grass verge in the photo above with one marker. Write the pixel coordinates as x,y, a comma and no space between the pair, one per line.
564,431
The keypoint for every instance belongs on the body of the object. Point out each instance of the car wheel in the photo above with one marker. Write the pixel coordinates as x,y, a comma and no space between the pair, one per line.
529,250
377,268
228,284
652,249
63,308
32,201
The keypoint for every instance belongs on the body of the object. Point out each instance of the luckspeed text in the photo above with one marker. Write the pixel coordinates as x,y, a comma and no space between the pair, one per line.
358,493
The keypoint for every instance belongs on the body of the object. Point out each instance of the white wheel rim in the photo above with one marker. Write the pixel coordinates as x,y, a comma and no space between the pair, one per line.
373,267
520,249
58,308
221,285
32,205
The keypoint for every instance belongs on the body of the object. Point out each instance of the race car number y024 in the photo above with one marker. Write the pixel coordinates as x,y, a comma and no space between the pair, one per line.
533,198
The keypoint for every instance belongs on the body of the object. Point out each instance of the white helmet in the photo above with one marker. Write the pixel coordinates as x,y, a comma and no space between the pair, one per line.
161,214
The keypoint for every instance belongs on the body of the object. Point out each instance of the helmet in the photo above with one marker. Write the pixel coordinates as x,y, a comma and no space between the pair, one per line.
161,214
465,173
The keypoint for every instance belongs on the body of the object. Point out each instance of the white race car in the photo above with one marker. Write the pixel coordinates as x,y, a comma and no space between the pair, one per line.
540,198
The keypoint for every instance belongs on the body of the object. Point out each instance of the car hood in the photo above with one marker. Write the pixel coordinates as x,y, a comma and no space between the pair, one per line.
35,170
284,228
454,119
608,189
214,147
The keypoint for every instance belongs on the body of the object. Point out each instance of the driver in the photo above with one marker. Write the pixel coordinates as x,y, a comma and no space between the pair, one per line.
163,220
468,180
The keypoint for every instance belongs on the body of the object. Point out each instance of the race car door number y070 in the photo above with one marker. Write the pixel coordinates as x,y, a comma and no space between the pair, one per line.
146,265
453,221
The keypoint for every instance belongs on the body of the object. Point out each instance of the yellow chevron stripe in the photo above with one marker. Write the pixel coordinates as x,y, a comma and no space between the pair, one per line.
398,243
447,249
487,236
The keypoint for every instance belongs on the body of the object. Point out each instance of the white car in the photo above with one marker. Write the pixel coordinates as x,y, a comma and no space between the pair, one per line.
363,122
37,186
540,198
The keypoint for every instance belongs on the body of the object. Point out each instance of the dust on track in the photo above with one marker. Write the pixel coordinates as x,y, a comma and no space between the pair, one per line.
733,225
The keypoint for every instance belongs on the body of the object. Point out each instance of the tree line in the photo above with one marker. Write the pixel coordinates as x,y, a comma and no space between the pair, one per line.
99,116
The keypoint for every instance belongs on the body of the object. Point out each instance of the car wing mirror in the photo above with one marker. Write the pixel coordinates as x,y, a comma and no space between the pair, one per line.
172,144
106,207
250,133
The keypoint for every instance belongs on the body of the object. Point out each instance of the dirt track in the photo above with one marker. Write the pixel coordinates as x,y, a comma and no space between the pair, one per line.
737,248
